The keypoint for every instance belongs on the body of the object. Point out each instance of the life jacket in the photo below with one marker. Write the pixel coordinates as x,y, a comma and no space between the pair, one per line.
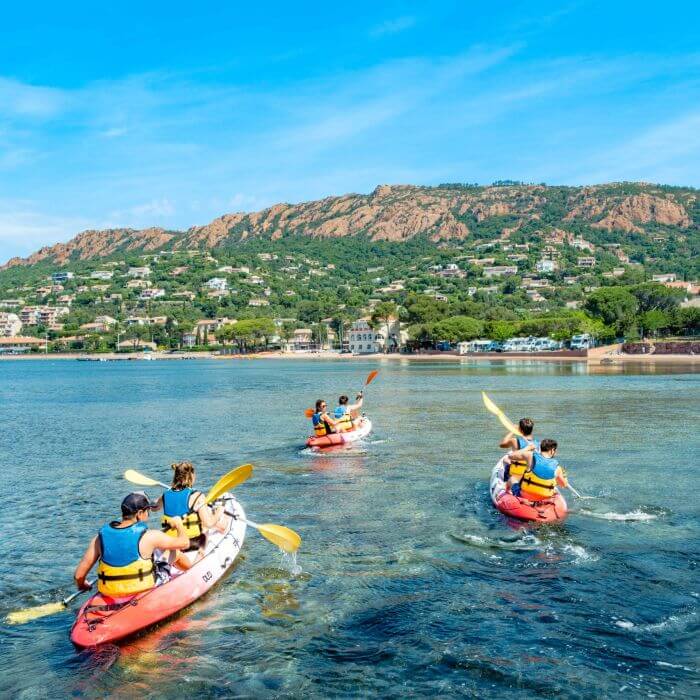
539,481
321,427
122,570
519,466
343,415
176,504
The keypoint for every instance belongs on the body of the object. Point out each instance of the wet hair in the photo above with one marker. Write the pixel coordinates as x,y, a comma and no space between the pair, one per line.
183,476
526,425
343,400
319,403
548,444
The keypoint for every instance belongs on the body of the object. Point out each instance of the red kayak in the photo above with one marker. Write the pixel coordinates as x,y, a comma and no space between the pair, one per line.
105,619
549,511
334,439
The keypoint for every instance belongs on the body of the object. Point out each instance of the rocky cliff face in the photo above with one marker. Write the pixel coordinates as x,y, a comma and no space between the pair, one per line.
400,212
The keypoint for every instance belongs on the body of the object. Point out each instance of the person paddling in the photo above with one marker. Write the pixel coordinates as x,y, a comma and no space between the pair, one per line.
182,501
124,549
322,422
514,442
345,413
542,475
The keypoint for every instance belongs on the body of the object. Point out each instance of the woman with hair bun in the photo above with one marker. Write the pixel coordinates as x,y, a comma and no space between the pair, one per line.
183,501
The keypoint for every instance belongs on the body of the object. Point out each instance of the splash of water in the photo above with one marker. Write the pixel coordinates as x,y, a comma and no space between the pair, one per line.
289,562
632,516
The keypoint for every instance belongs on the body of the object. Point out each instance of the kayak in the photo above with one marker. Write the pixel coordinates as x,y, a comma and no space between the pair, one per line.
334,439
549,511
106,619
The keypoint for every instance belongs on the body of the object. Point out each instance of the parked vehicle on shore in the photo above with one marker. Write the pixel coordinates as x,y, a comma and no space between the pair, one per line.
582,341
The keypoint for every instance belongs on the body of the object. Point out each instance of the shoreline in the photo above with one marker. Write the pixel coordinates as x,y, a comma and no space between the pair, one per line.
595,359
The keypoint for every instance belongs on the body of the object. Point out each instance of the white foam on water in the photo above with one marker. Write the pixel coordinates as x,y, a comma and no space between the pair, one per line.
580,554
526,543
289,561
632,516
666,664
673,623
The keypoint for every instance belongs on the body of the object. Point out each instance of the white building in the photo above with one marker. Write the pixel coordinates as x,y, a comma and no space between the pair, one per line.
101,275
500,271
218,283
586,261
545,266
387,337
61,277
140,272
10,325
153,293
670,277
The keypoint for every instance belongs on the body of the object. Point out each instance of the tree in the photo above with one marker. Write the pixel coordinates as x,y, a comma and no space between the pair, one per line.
456,329
383,314
614,306
653,321
653,296
423,309
500,330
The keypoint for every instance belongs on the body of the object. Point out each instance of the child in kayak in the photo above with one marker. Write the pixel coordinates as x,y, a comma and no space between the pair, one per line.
515,467
124,549
322,422
542,475
182,501
345,414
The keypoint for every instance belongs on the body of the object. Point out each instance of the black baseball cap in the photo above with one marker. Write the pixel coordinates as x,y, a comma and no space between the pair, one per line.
135,502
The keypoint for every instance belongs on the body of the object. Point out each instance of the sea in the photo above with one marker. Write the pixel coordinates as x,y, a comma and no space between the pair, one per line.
408,582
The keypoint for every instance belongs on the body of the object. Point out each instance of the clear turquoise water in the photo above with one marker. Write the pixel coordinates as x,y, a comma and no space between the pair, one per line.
412,584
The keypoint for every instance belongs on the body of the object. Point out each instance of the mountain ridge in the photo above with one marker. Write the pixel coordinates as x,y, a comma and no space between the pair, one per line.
401,212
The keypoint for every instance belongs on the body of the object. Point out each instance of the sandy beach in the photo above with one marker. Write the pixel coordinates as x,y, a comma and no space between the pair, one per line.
599,356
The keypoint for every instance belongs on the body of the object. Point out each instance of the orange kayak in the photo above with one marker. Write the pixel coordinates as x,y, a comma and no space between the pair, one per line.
104,619
334,439
549,511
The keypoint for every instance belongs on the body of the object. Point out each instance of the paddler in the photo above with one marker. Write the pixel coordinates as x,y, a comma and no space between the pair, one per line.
345,413
322,422
124,549
542,475
182,501
514,442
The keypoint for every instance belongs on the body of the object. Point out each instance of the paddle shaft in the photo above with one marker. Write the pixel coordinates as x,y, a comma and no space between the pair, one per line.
73,596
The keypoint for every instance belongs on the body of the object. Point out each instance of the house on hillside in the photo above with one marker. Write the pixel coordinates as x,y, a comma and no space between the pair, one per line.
10,325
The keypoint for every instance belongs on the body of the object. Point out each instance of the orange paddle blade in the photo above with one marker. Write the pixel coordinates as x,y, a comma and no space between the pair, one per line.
371,376
309,412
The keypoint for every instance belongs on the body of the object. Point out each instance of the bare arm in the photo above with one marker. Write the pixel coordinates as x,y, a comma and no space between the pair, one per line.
561,478
524,454
154,539
508,442
208,517
92,554
159,503
359,400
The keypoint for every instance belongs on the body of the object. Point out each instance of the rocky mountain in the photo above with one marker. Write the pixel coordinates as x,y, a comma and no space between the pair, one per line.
402,212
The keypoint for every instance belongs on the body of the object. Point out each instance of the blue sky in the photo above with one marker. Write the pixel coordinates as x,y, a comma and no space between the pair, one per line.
177,113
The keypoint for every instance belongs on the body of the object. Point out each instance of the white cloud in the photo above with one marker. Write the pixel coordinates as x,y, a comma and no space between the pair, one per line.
392,26
24,100
114,132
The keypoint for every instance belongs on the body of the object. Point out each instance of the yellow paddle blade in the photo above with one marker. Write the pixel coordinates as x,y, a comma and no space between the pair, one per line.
309,412
229,481
20,617
371,376
135,478
492,408
286,539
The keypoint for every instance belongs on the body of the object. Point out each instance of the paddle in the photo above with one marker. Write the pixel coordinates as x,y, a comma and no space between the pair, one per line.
20,617
512,428
309,412
284,538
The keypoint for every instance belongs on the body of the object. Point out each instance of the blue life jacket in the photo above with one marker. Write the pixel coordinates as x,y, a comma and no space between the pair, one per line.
120,545
524,442
540,480
177,503
342,414
316,418
340,411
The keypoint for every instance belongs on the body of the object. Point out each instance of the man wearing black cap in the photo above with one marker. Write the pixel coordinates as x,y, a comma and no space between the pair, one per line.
124,549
